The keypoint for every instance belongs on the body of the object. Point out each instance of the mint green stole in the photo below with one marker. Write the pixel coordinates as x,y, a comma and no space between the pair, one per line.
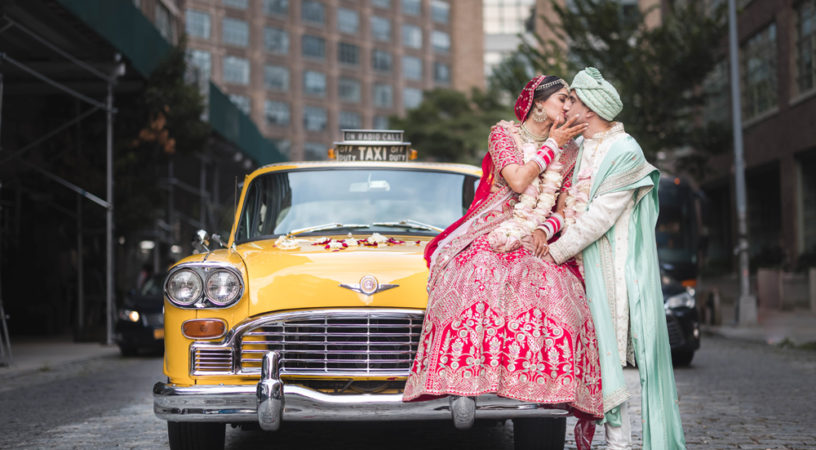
625,168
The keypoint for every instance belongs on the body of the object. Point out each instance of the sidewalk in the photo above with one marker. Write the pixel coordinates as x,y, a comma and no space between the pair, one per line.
32,354
796,327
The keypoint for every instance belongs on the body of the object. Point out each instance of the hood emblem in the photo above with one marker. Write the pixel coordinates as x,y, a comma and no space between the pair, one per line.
368,285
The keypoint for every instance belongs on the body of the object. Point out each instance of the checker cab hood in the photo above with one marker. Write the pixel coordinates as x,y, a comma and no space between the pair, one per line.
310,276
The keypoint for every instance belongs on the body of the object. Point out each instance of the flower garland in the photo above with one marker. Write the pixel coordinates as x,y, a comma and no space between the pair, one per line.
576,204
285,242
534,205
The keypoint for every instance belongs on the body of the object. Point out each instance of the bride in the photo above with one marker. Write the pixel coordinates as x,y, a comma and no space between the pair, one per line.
499,319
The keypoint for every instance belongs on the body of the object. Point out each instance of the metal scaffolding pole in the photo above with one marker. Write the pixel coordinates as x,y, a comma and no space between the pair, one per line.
746,306
118,70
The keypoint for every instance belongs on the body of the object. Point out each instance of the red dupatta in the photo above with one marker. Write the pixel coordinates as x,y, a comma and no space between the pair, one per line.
481,195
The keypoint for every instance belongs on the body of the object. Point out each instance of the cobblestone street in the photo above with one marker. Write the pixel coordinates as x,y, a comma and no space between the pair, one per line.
735,395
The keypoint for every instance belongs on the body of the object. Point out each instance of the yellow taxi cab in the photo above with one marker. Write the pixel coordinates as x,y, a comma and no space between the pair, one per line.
313,308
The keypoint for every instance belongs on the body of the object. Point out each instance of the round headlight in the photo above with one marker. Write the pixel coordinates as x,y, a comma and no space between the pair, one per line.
184,287
223,287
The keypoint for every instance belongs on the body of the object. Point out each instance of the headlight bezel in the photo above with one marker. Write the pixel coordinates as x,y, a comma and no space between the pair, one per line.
204,271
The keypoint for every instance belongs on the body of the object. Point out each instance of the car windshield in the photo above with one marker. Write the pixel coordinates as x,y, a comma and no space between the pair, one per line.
353,199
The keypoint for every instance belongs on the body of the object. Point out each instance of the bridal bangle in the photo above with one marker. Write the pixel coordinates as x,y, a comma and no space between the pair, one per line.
546,154
552,225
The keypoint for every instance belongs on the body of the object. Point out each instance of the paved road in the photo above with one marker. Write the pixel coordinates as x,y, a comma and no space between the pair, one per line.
735,395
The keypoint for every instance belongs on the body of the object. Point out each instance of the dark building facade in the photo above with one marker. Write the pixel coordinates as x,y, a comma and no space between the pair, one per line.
777,46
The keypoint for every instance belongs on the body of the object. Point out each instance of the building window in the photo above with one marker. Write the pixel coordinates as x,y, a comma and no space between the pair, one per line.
412,68
507,17
440,11
314,151
348,89
235,32
313,12
411,36
348,21
197,24
412,7
380,28
236,70
759,73
200,60
313,46
276,40
276,7
381,60
240,4
385,4
284,146
314,118
276,78
380,122
806,45
383,95
242,102
163,22
441,73
348,53
440,41
276,113
350,120
807,175
314,83
411,98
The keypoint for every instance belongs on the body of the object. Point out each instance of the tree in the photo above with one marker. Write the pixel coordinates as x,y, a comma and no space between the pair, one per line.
658,70
162,120
451,126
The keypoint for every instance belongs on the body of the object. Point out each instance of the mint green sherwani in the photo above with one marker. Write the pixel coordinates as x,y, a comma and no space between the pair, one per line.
630,319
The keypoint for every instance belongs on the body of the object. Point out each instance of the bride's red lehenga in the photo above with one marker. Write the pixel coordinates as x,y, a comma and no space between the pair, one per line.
505,323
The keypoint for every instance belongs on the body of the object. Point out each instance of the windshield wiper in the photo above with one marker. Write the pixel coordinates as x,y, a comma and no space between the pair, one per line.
327,226
409,223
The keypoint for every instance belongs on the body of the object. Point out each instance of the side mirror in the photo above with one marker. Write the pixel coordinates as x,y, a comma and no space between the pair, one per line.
218,240
201,241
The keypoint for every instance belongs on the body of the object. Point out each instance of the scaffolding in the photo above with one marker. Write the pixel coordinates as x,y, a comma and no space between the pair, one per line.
109,79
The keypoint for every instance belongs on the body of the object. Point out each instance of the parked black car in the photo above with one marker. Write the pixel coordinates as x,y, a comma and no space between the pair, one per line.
140,322
682,320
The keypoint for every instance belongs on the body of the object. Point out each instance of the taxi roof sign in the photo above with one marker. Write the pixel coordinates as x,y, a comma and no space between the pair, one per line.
373,136
372,145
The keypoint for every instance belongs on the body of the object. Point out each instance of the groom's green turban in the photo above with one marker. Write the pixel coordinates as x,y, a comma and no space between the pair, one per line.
596,93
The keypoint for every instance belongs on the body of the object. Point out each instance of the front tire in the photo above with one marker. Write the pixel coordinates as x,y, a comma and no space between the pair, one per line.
195,436
539,434
682,358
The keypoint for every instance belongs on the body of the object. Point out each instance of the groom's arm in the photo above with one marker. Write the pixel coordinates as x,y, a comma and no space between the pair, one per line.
603,212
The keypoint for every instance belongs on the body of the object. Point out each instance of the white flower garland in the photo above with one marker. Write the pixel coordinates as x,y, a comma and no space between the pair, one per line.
576,204
534,205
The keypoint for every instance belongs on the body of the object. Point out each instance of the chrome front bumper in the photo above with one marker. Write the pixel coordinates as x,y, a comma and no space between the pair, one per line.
271,401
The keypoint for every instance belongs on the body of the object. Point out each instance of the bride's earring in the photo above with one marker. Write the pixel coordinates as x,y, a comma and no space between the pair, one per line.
539,115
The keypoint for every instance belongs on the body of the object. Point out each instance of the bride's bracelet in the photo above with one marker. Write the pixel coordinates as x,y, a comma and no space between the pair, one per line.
552,225
546,154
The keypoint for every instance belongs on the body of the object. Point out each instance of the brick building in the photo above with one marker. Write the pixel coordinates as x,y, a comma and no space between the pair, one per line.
777,46
304,70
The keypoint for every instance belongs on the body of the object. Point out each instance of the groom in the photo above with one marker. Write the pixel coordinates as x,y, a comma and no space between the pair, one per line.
614,234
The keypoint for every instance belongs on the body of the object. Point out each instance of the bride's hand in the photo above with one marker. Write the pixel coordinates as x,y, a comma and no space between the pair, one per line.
563,133
540,247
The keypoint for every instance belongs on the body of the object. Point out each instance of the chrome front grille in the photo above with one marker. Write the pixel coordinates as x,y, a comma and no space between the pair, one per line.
212,360
335,342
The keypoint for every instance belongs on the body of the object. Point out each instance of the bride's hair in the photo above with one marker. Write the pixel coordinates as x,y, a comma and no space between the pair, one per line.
543,94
